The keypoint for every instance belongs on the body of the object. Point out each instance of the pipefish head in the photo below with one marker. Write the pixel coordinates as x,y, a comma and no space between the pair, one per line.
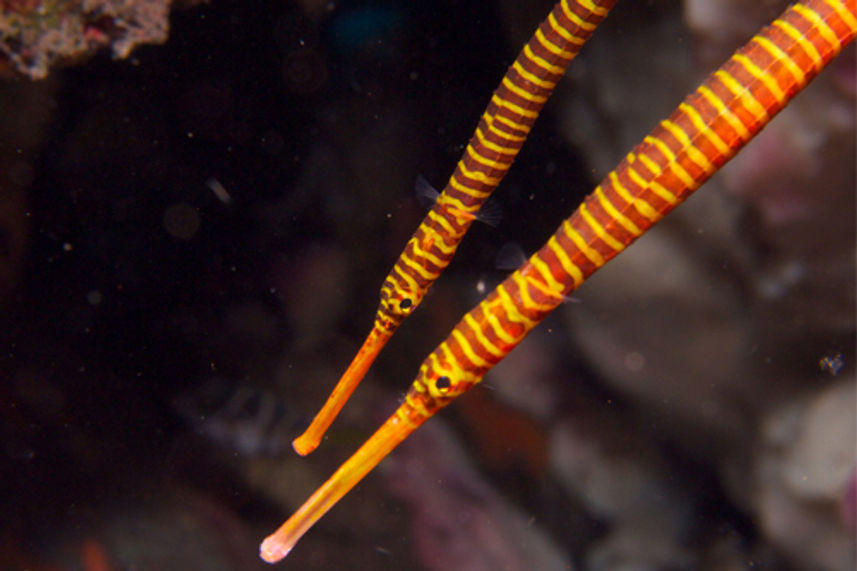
439,382
397,303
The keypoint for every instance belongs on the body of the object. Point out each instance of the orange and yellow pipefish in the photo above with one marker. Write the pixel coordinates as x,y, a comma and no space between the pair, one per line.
502,130
707,129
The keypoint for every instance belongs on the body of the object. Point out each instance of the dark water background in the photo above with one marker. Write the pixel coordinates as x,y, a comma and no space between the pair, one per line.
163,343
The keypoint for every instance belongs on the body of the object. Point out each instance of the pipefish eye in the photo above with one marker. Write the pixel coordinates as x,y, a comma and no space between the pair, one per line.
443,383
406,303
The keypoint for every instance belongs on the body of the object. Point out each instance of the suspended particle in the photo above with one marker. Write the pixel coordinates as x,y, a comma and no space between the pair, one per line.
832,363
219,190
181,221
94,297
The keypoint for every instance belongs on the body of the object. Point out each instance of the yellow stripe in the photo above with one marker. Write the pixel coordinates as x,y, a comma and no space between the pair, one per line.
592,255
556,50
520,92
446,248
546,291
430,256
511,312
452,205
492,181
778,54
723,111
800,40
847,16
575,19
636,177
672,162
538,80
438,243
563,32
452,362
761,75
418,406
650,185
443,223
527,302
650,165
653,185
693,154
496,326
593,7
419,386
567,265
466,188
490,163
505,103
599,230
511,123
490,121
400,274
661,146
555,288
468,351
483,340
415,266
704,128
748,100
493,146
526,299
819,24
640,205
542,62
623,220
663,194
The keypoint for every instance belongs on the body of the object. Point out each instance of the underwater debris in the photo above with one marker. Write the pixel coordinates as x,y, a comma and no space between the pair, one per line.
239,417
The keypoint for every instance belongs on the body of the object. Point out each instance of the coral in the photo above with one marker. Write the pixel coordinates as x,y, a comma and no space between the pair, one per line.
34,35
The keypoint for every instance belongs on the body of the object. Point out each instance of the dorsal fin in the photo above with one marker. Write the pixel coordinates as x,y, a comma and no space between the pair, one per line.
427,195
510,257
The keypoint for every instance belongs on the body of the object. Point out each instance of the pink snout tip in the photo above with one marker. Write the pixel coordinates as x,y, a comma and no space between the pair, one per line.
272,551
